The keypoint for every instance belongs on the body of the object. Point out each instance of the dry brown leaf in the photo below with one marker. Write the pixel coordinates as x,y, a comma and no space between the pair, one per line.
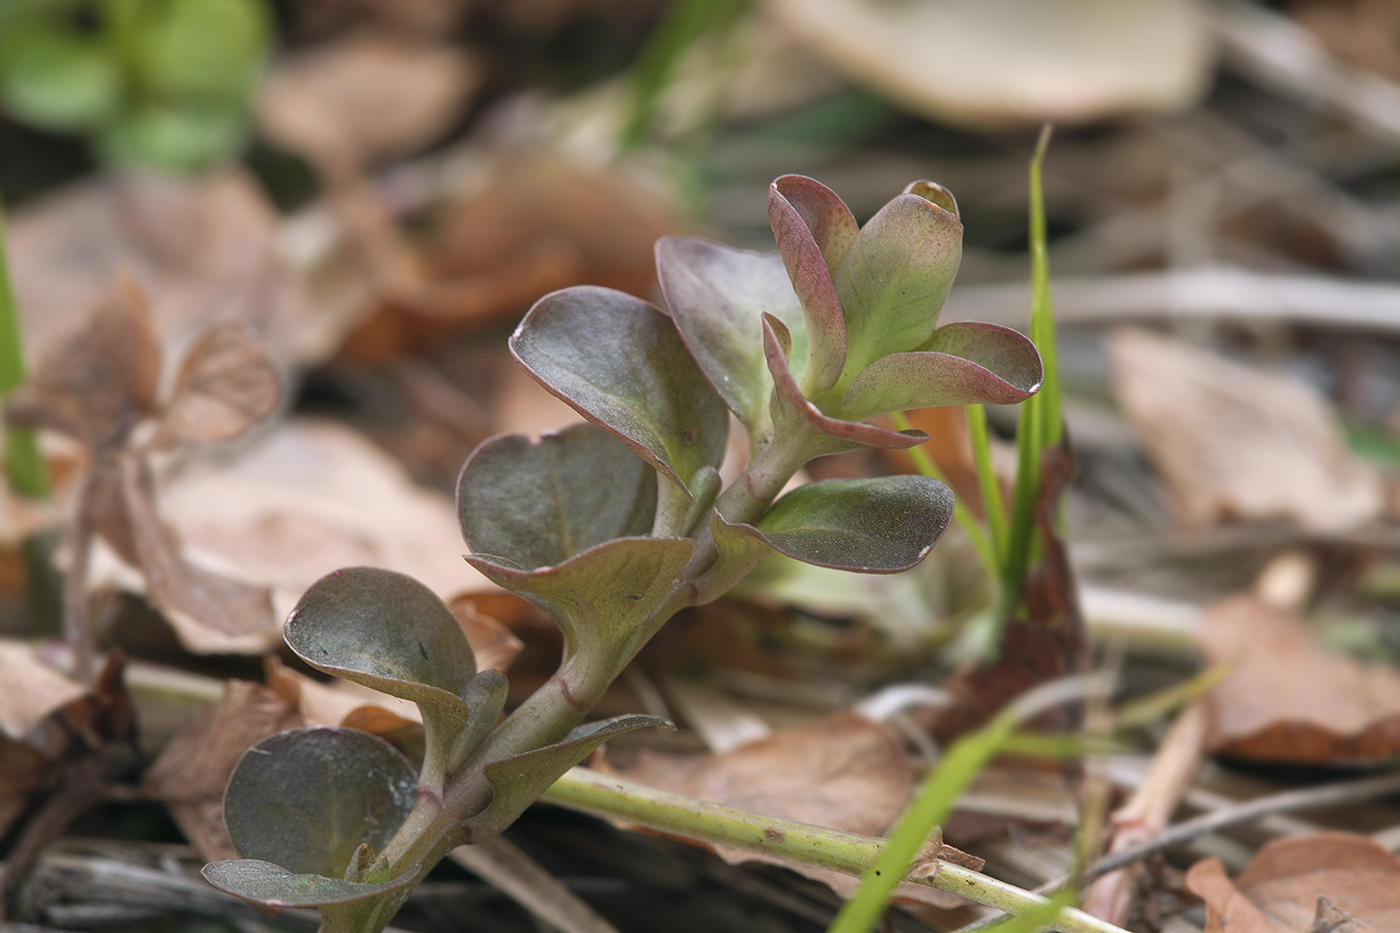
96,382
1233,442
201,249
1294,882
1289,699
173,584
333,703
192,771
493,644
989,62
30,689
226,384
365,97
844,772
299,502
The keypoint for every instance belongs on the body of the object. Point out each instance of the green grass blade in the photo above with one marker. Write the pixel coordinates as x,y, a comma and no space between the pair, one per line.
1041,423
972,528
987,483
681,26
935,798
23,462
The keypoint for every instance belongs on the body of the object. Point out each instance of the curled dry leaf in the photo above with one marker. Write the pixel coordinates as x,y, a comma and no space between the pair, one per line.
1233,442
299,502
1329,882
1289,699
1014,60
202,249
191,773
97,381
844,772
227,383
365,97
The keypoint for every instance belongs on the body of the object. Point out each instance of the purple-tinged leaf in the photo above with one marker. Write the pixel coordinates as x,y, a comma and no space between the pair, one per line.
536,505
833,226
620,362
802,257
852,432
519,780
307,799
717,296
932,191
604,594
893,280
387,631
966,364
265,883
881,525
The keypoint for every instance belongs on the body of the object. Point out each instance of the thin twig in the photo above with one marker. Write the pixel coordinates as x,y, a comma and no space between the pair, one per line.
516,874
1312,798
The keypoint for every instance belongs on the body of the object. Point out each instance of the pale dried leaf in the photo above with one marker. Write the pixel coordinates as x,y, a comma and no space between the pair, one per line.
365,97
192,771
331,704
1289,699
310,498
1281,889
1233,442
844,772
227,383
30,689
173,583
202,249
97,381
990,62
493,644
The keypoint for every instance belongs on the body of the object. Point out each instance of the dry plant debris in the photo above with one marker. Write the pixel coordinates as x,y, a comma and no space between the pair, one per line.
1289,698
1233,442
1327,882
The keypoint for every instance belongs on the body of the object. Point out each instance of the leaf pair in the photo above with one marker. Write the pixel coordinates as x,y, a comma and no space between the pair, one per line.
860,310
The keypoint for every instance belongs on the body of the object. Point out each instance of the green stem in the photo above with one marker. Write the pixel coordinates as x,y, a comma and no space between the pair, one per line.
987,480
23,462
610,796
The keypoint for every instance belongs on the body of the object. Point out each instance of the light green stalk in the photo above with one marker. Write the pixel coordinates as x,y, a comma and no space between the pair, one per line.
23,462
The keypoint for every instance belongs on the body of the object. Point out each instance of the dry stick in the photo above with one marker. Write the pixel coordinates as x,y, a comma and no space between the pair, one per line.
1311,798
511,871
1149,809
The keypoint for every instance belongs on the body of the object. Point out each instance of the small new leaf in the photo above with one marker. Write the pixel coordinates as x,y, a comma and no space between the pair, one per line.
306,800
631,374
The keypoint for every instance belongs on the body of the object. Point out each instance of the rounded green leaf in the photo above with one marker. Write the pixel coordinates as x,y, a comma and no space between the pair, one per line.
605,593
387,631
266,883
211,49
881,525
57,80
530,505
963,364
717,296
175,138
519,780
307,799
893,280
620,362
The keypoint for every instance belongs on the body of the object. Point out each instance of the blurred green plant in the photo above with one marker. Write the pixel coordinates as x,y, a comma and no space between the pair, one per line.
159,83
23,463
